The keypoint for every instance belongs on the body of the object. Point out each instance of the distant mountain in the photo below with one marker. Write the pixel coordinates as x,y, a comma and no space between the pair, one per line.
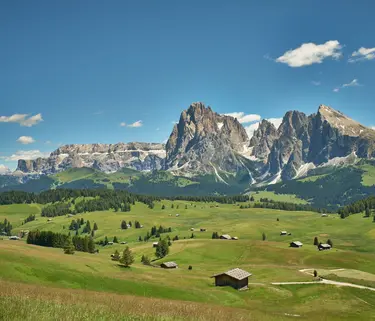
208,153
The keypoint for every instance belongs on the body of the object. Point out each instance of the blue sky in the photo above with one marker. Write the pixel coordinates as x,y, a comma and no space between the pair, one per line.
74,71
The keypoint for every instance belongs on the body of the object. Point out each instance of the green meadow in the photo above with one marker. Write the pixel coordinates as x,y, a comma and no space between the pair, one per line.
151,293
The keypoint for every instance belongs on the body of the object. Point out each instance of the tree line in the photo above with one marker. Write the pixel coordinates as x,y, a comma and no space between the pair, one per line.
59,240
366,205
5,227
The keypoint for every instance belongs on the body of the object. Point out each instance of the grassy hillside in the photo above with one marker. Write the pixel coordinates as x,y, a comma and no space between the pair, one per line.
41,270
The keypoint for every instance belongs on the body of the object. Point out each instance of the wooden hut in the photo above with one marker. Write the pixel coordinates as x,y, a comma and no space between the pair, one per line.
169,265
236,278
155,244
226,237
283,233
323,247
296,244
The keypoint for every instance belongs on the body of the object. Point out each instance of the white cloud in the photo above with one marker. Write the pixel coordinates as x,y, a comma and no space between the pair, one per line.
251,128
244,119
4,170
316,83
22,119
25,154
311,53
362,54
48,142
353,83
136,124
26,140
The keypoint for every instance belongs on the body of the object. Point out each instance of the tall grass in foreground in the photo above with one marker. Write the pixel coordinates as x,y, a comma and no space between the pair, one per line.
30,302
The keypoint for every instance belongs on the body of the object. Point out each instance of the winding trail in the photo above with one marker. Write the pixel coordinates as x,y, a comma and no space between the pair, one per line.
325,281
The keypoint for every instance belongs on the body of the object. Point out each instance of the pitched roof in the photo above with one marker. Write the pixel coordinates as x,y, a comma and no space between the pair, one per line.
297,243
325,245
170,264
226,236
237,274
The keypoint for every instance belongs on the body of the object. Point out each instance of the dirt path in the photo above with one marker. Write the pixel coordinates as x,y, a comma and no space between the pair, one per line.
325,281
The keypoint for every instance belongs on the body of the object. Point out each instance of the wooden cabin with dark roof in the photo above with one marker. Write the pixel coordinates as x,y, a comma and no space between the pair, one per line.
236,278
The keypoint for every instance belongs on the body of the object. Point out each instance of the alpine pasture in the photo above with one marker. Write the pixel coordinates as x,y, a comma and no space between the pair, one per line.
40,282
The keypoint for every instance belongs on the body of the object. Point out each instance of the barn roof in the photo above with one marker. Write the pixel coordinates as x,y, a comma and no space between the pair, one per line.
226,236
297,243
237,274
170,264
325,245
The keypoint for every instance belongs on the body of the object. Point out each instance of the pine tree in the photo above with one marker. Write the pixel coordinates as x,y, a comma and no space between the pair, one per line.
127,258
115,240
86,244
316,241
264,237
95,227
82,221
92,233
124,226
116,256
315,273
68,246
192,235
172,206
329,242
163,207
162,249
91,245
145,260
368,212
140,239
105,240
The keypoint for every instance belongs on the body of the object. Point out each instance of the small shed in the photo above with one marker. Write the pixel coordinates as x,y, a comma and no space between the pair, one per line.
14,238
236,278
226,237
203,230
192,229
49,220
324,215
169,265
110,243
283,233
323,247
296,244
155,244
177,215
124,242
235,238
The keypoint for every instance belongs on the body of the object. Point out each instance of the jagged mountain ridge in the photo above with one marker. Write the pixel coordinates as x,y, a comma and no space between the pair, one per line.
204,142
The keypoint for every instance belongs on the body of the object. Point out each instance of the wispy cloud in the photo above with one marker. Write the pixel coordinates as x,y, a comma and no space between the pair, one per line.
311,53
243,118
353,83
138,123
22,119
26,140
4,170
316,83
25,154
362,54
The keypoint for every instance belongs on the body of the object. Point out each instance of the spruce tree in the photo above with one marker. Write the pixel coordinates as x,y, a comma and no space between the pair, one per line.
127,258
162,249
316,241
95,227
124,226
91,245
68,246
116,256
163,207
105,240
264,237
329,242
115,239
368,212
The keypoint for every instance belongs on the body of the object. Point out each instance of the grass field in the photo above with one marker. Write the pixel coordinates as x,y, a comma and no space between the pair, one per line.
288,198
50,281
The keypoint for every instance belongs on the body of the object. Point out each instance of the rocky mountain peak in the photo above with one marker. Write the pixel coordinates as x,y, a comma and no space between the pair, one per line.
292,123
263,139
203,139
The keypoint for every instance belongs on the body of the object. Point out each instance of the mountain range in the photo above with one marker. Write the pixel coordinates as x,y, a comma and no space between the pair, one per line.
212,153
